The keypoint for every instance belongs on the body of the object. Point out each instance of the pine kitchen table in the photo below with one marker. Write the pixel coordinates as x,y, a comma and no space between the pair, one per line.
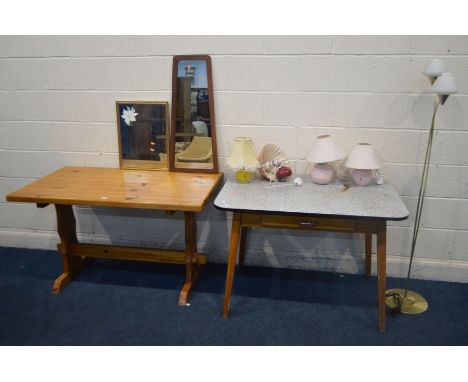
111,187
312,207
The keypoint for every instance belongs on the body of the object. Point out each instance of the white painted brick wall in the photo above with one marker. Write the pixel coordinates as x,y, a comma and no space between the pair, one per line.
58,93
249,110
296,109
298,45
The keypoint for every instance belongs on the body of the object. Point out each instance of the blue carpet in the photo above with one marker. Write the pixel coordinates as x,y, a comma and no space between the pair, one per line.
135,303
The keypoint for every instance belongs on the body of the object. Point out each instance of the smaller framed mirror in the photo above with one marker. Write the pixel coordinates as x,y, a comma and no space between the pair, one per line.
192,146
143,129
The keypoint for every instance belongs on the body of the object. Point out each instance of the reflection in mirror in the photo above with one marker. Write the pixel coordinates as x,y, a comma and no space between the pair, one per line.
142,129
193,139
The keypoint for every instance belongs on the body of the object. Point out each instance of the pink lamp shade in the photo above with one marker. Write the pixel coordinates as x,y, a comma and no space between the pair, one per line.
325,150
363,157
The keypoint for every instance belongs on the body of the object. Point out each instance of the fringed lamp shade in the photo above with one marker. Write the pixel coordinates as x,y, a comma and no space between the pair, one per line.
243,160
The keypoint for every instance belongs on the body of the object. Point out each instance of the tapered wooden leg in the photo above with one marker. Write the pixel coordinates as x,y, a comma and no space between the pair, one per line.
191,261
368,253
232,254
242,245
381,271
66,227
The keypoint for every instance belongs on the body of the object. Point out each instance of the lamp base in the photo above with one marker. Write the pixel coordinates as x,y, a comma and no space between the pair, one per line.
243,176
361,177
322,173
414,303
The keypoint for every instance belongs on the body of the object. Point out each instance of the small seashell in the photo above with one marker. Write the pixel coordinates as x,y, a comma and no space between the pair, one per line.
297,181
283,173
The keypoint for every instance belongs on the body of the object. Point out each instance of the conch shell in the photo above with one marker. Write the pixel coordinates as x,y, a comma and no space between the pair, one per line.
271,159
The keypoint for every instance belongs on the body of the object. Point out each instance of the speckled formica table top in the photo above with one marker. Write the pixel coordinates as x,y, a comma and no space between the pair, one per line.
373,201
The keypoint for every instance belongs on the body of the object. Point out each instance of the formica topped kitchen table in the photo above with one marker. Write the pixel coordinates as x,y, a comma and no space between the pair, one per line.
111,187
312,207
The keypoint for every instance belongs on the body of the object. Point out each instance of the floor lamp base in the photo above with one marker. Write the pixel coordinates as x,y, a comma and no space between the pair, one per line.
413,303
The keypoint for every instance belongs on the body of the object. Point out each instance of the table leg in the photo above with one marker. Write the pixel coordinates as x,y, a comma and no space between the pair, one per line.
381,272
233,245
66,227
192,268
368,253
242,245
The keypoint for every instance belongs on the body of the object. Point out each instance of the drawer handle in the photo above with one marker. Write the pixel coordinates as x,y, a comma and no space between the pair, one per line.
307,224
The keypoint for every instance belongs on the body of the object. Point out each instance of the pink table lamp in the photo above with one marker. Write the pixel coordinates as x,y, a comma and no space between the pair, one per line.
323,152
363,160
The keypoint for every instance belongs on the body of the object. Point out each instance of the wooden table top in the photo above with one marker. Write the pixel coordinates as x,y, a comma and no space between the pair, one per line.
112,187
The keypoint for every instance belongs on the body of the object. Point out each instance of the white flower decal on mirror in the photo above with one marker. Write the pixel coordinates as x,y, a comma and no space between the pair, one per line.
129,115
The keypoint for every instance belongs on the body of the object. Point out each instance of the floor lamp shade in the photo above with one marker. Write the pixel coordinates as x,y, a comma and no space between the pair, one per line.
444,85
434,68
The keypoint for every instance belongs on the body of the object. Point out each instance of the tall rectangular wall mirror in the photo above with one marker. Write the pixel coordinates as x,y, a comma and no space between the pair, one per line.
193,132
143,130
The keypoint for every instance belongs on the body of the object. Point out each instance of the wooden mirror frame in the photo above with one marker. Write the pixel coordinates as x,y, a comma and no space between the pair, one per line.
172,139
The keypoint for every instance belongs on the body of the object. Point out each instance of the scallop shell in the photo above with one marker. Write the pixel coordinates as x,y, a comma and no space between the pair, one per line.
271,158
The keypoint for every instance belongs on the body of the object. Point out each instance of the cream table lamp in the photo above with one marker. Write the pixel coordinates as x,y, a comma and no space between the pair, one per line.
243,160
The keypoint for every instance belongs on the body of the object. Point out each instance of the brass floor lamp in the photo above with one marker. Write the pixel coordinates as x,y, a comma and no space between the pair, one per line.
443,84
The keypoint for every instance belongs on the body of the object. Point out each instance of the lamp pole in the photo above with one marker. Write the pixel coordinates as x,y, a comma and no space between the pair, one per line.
422,194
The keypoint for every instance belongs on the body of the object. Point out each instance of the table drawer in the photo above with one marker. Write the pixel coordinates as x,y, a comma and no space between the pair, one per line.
305,222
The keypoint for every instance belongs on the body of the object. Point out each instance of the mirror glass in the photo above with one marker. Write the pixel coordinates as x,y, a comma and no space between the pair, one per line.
193,128
143,134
